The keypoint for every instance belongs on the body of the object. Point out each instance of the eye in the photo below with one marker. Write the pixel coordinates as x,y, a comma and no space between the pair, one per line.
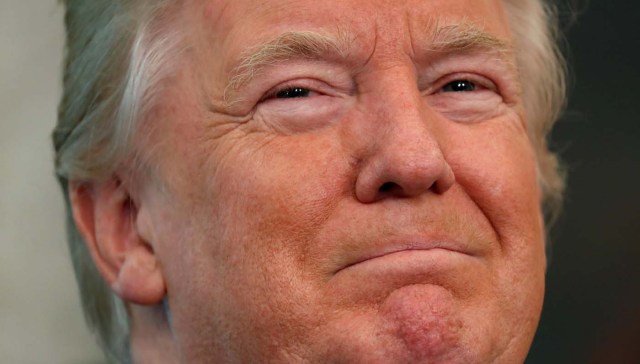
292,92
460,86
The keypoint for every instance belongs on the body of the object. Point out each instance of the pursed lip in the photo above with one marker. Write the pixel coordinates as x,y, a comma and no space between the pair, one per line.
404,245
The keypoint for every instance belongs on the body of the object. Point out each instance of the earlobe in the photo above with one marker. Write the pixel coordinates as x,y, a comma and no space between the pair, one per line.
107,220
139,278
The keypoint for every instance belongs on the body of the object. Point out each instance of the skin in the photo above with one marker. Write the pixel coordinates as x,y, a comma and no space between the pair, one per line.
379,219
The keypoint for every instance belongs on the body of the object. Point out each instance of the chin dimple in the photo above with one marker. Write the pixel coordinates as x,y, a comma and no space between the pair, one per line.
424,317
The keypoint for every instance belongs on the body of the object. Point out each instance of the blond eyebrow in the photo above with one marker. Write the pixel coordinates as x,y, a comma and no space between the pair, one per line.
466,36
287,46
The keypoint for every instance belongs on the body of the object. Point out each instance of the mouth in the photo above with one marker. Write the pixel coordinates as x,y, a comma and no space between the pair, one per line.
403,256
369,275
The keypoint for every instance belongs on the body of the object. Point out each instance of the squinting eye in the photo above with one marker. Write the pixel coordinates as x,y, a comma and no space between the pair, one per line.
459,86
292,92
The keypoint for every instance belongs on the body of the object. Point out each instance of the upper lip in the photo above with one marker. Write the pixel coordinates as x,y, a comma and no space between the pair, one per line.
404,244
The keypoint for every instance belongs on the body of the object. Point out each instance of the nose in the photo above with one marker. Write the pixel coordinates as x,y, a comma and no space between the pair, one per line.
404,156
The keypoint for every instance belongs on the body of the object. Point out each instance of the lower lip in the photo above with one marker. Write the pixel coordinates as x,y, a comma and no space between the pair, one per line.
409,259
374,278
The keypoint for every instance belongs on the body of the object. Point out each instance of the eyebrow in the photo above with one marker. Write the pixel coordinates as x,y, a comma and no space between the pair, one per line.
287,46
467,36
309,45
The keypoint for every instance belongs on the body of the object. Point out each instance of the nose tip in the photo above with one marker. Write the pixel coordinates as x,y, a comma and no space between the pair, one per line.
402,173
401,153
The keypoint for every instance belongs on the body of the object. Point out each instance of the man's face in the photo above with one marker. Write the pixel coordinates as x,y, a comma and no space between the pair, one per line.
348,181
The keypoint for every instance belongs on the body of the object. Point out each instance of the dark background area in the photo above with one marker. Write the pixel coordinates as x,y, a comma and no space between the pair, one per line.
592,305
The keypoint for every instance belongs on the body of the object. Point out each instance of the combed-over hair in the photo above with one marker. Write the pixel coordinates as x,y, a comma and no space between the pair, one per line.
118,52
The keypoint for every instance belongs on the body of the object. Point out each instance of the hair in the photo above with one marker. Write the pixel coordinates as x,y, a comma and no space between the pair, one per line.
118,52
542,70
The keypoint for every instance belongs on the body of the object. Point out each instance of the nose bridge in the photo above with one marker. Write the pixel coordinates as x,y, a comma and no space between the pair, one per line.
405,156
403,121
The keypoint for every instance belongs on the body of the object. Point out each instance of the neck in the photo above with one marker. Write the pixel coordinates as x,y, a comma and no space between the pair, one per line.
152,340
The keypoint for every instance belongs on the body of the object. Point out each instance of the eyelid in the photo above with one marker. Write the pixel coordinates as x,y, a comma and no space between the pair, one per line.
315,86
477,79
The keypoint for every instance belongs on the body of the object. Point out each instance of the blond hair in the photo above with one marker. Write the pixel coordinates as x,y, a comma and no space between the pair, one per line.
119,51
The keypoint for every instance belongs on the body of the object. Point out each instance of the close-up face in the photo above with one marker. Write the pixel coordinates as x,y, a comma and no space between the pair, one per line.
347,181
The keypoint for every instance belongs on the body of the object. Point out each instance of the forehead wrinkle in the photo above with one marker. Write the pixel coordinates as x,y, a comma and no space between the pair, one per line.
285,47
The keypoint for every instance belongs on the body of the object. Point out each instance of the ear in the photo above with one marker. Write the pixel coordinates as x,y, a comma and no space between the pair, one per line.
108,220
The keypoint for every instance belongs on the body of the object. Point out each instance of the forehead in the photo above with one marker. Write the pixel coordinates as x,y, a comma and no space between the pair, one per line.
233,25
226,30
282,14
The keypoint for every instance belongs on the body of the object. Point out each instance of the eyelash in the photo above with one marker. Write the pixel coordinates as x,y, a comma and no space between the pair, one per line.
288,86
478,81
293,90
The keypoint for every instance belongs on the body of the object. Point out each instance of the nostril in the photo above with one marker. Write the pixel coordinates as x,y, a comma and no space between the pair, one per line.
387,187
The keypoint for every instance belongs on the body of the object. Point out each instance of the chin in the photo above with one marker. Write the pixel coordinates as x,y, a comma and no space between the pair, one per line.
423,323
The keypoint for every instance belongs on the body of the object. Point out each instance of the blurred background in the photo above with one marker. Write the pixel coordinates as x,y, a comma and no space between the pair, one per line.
592,308
40,315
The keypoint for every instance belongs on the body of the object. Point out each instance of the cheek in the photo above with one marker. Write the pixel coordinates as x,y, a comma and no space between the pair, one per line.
497,170
282,183
496,166
259,204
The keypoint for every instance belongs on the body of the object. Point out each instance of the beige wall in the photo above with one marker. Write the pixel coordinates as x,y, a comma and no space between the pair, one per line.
40,317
